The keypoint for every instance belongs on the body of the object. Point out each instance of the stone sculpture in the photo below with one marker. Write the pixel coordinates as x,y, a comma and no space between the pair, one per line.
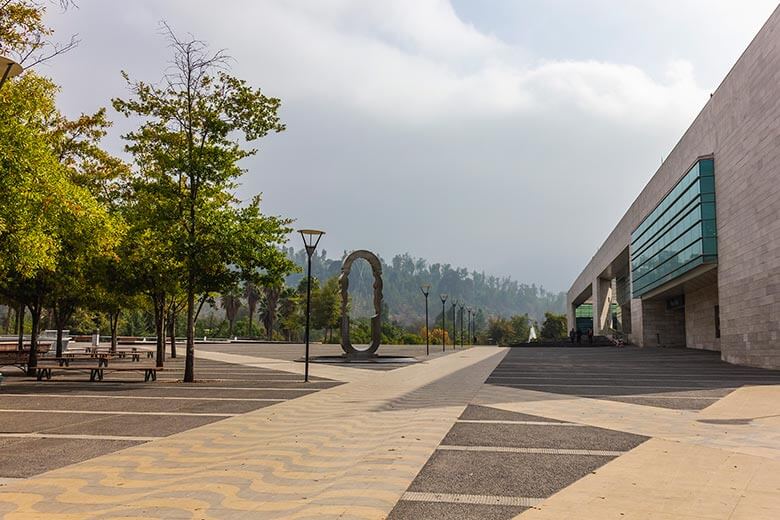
376,319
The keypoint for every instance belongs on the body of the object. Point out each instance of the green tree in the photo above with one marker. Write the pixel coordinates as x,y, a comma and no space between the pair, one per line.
189,141
554,326
25,36
326,307
51,226
290,319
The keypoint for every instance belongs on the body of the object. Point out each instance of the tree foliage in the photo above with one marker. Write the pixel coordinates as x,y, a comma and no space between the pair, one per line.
188,148
554,326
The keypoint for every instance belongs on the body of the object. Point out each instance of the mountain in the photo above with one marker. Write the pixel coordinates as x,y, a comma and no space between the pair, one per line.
402,277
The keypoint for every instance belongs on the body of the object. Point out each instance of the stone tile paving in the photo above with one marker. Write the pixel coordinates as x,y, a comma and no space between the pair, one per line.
430,440
70,419
669,378
348,451
548,417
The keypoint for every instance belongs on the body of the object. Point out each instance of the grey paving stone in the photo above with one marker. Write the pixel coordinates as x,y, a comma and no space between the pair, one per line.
23,458
481,413
405,510
131,425
541,436
502,474
673,404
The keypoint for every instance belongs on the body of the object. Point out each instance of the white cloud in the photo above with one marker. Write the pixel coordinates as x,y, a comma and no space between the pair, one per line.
416,62
406,123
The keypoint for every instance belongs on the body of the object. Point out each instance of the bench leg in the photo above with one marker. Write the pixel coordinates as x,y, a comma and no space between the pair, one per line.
95,374
147,375
39,374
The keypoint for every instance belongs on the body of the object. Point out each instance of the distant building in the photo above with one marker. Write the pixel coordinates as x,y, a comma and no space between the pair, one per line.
695,261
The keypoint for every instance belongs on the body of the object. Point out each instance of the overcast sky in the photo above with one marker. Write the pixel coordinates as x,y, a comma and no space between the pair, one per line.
505,136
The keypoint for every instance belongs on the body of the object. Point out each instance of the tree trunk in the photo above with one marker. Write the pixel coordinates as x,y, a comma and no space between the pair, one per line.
172,331
35,313
250,333
114,322
270,330
20,326
60,325
7,319
159,327
189,362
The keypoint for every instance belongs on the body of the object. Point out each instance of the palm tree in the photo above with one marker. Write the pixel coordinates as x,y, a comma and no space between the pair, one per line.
252,296
271,295
231,303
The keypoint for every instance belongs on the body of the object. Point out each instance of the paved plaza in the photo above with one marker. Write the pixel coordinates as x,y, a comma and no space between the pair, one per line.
484,432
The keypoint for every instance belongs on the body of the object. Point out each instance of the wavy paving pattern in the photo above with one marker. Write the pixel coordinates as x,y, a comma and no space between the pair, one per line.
349,451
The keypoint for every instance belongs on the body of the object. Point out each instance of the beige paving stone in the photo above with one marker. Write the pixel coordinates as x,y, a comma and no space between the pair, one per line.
666,479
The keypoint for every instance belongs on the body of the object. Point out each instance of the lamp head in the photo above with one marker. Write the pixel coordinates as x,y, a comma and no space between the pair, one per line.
426,289
311,237
443,297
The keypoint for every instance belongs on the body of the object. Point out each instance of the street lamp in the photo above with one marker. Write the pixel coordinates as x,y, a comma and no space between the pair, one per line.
461,323
8,68
443,297
474,325
454,324
468,309
426,290
311,237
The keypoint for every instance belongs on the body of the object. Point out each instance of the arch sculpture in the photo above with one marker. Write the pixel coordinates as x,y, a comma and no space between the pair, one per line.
376,319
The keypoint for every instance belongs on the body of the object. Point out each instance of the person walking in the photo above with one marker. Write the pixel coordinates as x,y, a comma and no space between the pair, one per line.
572,335
590,336
579,336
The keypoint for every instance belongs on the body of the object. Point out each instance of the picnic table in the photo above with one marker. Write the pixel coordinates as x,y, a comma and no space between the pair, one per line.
44,371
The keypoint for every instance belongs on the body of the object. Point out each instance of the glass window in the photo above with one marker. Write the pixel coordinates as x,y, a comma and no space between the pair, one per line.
679,234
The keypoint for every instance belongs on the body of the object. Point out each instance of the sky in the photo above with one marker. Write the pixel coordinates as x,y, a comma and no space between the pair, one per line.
505,136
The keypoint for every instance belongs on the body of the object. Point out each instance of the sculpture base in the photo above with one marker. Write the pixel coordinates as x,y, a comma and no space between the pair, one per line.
365,358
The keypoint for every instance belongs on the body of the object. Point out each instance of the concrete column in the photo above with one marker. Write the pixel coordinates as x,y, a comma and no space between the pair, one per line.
570,316
602,296
637,324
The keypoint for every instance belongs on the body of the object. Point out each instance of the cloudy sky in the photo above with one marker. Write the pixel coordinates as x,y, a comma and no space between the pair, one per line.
505,135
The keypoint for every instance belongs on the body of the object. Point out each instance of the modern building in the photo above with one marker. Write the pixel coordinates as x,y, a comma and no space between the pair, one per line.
695,261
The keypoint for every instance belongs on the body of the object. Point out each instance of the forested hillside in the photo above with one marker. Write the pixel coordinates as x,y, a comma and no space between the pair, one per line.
403,275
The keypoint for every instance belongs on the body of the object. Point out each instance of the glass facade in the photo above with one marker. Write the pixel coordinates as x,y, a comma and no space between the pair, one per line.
679,235
583,316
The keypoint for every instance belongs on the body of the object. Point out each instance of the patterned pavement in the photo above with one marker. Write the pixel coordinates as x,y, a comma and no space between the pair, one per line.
484,433
348,451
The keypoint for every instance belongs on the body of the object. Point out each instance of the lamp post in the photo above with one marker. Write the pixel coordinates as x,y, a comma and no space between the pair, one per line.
426,290
474,325
8,69
454,324
443,297
461,324
311,237
468,309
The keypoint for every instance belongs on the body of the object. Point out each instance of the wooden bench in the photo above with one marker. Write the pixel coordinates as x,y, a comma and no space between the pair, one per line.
96,373
67,358
92,352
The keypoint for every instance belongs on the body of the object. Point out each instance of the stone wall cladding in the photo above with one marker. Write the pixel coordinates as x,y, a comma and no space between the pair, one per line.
662,324
740,126
700,318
